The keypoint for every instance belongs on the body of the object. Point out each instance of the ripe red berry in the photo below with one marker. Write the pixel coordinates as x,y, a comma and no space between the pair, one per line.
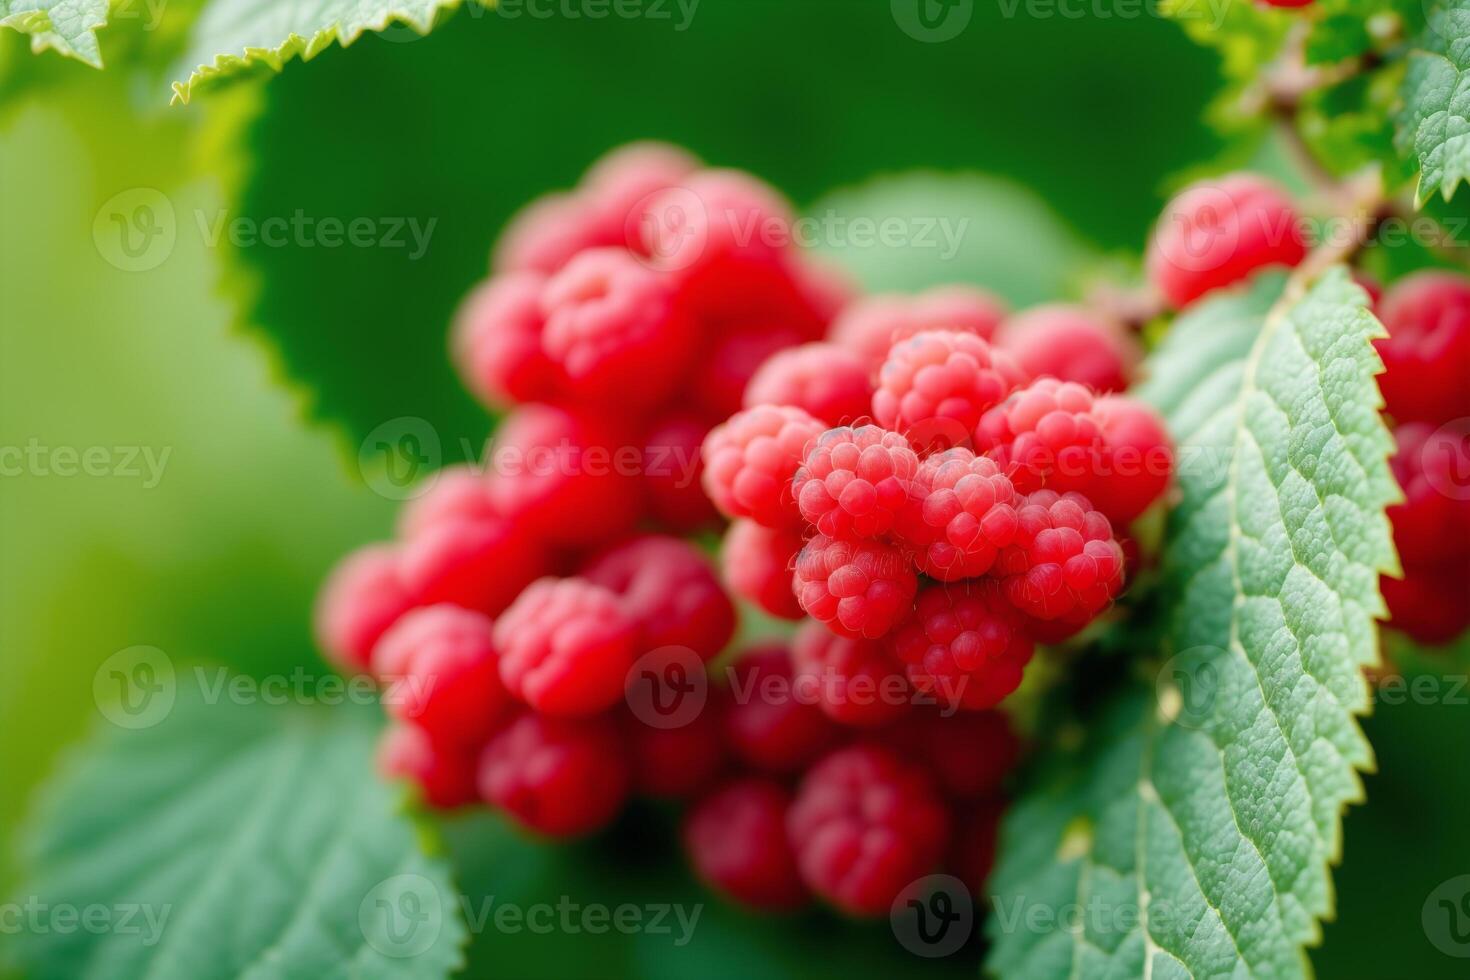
711,217
564,476
1070,343
965,512
672,468
480,564
1287,3
1218,232
675,763
566,646
865,824
969,753
1428,602
362,597
964,645
757,562
750,459
766,726
1064,563
622,181
457,494
871,326
1426,356
613,331
1138,461
549,232
496,341
858,588
830,382
444,775
670,591
1432,525
1045,434
854,681
440,666
558,776
854,482
736,840
730,360
935,385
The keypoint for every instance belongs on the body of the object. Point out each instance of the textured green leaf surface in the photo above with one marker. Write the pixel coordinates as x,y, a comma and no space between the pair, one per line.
232,841
67,26
235,34
1434,125
1191,830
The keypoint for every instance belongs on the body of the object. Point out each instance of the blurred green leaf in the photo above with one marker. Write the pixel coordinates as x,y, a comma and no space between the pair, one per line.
67,26
226,840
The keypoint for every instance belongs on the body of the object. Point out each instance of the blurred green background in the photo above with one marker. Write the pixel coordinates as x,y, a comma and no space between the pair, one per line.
258,369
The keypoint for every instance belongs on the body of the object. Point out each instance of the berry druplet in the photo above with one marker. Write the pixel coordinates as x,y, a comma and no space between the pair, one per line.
749,462
1072,344
964,645
858,588
736,840
830,382
440,665
935,385
562,777
853,483
870,326
364,595
757,563
670,590
856,682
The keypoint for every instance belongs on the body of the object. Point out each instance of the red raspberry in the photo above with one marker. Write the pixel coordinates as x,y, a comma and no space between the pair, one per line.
672,469
566,646
675,763
756,562
865,824
565,477
457,494
963,645
1426,356
766,726
1429,601
1072,344
1044,434
559,776
549,232
871,326
444,775
440,666
612,329
670,590
854,483
1218,232
858,588
496,341
1430,527
1064,563
965,513
855,681
750,459
711,217
736,840
362,597
1138,461
828,381
480,564
1287,3
969,753
724,370
827,287
935,385
620,183
972,856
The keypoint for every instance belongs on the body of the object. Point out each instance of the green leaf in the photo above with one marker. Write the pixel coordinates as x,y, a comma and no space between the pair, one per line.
232,841
1434,125
1195,821
232,35
67,26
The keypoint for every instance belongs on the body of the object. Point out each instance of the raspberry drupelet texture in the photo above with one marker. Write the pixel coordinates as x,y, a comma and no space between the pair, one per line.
935,385
870,326
496,341
1426,356
1044,434
444,775
562,777
855,682
1072,344
363,596
480,564
965,512
858,588
1064,563
855,482
1430,526
613,331
1138,458
674,763
767,728
670,590
455,494
750,459
672,469
713,217
865,824
964,645
757,563
566,646
830,382
1218,232
736,840
557,473
439,663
